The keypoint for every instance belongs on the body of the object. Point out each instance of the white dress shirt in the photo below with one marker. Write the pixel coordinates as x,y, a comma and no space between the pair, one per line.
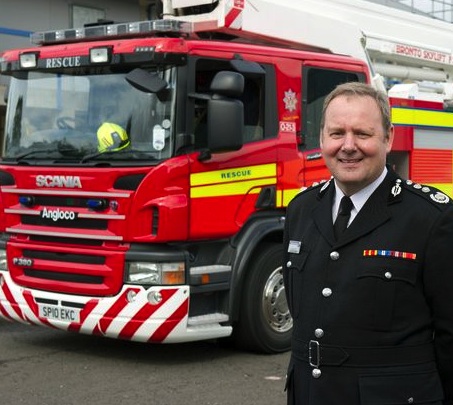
358,199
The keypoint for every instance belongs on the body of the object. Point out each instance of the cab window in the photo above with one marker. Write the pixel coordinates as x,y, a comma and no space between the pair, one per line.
253,98
316,84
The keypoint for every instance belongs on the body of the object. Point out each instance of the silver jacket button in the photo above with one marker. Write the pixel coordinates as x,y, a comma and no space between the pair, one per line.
327,292
319,333
316,373
388,275
288,264
334,255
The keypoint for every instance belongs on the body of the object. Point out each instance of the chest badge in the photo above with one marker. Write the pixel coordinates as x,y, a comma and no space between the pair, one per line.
294,246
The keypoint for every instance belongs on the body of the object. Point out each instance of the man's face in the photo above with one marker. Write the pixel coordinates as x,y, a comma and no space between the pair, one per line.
353,142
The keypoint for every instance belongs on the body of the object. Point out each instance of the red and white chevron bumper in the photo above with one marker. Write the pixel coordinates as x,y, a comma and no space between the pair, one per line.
154,315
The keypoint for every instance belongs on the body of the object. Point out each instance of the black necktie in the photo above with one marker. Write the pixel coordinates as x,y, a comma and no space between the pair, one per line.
344,213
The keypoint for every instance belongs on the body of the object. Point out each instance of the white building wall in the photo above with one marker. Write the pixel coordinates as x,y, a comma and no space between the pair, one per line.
22,16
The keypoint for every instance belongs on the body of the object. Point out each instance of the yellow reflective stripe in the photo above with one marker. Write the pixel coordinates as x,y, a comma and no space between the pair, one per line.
289,194
279,198
233,188
233,175
409,116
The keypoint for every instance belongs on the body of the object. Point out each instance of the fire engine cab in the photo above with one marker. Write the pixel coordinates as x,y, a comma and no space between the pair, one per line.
146,166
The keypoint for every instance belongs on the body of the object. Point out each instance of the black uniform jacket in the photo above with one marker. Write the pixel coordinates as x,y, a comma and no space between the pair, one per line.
373,311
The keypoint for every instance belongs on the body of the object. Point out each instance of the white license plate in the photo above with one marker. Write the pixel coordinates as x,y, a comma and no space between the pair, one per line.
59,313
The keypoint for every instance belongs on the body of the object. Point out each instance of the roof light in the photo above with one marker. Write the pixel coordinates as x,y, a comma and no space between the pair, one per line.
55,36
111,30
28,60
100,55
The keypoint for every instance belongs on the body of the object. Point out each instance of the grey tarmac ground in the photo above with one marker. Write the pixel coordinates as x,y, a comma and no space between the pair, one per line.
40,366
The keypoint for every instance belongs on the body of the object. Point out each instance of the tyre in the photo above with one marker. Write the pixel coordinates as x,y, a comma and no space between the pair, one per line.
265,324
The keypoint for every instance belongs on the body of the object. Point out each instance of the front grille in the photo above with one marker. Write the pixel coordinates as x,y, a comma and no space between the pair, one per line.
81,223
64,257
59,201
75,270
68,277
66,241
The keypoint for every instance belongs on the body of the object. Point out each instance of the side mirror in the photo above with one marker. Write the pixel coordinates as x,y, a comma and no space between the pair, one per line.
225,122
225,125
227,84
145,81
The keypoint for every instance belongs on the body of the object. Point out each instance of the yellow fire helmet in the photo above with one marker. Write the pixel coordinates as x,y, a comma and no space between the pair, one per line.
111,137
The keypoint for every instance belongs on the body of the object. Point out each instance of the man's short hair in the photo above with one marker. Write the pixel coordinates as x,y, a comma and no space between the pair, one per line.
361,90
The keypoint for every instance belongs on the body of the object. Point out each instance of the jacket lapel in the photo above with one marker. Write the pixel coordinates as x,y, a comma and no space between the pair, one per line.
374,213
322,214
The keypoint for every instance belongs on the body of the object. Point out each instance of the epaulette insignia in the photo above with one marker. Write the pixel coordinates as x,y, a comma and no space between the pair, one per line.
314,185
396,189
302,189
440,198
321,192
395,192
318,183
326,184
435,195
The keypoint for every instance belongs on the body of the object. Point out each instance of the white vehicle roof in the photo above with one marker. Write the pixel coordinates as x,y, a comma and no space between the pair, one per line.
398,44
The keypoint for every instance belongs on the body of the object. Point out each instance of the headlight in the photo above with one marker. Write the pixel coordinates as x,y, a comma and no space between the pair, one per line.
156,273
3,262
28,60
100,54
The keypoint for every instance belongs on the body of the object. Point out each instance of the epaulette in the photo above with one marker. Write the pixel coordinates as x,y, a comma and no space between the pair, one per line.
318,185
429,193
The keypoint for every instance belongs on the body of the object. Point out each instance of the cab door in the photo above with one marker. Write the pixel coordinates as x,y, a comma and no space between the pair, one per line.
225,186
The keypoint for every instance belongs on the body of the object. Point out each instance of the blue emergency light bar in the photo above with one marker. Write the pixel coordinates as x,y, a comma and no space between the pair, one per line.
111,30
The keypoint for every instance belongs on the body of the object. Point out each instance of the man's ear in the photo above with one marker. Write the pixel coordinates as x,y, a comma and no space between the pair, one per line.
390,137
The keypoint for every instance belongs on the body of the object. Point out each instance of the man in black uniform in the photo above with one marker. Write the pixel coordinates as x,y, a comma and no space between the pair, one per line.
372,301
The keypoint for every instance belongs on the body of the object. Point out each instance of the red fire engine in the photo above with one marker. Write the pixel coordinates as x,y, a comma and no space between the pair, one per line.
146,166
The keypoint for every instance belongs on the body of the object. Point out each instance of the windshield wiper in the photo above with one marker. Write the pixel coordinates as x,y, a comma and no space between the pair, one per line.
90,156
34,152
61,147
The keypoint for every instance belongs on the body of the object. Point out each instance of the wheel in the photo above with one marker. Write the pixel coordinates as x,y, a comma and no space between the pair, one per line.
265,324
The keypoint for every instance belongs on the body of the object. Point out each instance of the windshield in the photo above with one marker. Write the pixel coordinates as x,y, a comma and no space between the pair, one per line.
59,116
